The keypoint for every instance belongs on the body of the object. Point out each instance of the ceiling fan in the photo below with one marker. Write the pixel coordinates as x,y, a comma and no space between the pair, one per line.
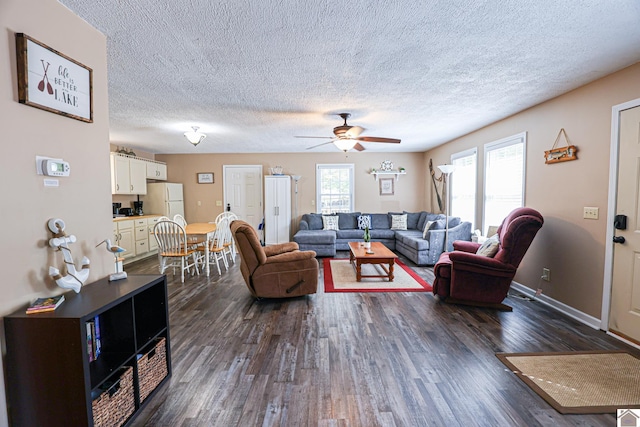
347,137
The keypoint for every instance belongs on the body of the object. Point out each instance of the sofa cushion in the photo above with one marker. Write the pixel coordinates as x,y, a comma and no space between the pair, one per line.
314,220
454,221
315,237
399,222
439,224
379,221
382,233
427,227
412,239
428,216
330,222
412,220
354,234
348,220
364,221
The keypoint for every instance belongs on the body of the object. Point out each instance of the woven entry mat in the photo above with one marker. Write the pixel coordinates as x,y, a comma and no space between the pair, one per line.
592,382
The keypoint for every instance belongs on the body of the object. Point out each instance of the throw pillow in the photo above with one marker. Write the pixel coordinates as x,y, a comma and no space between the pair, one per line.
427,226
399,222
330,222
489,248
364,221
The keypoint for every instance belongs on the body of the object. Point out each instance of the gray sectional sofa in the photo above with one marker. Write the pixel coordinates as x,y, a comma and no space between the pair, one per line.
409,242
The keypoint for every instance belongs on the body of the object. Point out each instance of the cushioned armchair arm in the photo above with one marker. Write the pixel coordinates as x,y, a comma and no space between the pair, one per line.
290,256
464,246
479,264
280,248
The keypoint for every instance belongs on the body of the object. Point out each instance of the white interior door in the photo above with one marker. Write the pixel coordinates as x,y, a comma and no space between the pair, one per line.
624,317
243,192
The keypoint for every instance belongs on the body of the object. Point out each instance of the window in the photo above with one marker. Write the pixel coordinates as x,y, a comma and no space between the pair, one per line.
504,172
334,191
463,185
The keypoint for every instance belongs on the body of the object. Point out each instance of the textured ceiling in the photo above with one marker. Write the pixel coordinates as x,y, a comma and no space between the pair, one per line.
255,74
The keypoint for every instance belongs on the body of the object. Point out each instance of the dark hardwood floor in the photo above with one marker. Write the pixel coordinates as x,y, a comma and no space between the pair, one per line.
353,359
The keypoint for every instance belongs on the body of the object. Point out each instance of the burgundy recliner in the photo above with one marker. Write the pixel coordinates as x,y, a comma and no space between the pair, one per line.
462,277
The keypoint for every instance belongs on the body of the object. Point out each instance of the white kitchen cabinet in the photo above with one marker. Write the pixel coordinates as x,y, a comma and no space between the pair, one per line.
128,175
124,237
156,170
277,208
138,175
153,243
141,234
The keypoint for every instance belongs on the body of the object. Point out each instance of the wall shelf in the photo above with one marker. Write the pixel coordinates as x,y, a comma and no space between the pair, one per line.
397,174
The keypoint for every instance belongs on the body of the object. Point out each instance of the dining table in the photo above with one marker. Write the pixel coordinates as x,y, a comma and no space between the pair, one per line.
202,232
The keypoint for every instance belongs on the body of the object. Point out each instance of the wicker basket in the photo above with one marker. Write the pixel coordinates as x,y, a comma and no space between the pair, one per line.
116,402
152,368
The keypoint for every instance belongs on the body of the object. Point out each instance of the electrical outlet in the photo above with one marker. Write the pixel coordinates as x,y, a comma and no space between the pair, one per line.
546,275
590,213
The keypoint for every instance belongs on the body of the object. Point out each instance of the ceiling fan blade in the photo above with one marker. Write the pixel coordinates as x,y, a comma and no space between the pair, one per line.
319,145
376,139
358,147
319,137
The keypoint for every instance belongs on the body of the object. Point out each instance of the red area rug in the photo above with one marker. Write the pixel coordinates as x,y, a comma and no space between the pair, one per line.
340,276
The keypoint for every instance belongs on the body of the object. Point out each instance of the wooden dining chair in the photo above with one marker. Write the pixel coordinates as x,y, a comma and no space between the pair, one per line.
173,248
216,246
229,243
180,220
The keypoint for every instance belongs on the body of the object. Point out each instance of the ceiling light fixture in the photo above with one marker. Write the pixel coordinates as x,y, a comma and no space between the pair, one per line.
194,136
345,144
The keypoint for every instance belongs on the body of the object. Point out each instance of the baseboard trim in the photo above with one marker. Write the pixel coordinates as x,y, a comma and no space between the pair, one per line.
558,306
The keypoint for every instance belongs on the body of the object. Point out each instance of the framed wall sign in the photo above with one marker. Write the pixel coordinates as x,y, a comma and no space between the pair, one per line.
386,186
51,81
205,178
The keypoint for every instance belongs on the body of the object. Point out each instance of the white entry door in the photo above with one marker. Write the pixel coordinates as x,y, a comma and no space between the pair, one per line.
243,192
624,318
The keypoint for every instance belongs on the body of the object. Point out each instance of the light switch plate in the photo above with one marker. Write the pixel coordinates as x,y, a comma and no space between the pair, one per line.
590,213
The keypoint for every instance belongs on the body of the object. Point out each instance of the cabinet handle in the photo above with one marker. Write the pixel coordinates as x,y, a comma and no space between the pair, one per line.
131,187
117,187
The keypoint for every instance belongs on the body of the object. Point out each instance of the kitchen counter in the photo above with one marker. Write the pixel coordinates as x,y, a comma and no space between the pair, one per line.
133,217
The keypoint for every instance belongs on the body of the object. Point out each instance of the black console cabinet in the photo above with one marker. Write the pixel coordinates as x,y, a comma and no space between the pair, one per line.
51,380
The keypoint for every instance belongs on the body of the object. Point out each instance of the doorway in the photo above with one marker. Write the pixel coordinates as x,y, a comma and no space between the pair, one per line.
621,298
243,192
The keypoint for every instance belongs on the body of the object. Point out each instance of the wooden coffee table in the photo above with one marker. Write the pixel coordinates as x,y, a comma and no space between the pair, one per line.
381,255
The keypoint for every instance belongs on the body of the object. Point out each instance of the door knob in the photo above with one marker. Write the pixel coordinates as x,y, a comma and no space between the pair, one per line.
618,239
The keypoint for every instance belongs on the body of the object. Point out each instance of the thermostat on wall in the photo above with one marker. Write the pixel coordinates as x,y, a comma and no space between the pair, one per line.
52,167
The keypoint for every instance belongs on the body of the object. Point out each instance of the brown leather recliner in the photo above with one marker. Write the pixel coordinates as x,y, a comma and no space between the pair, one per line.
275,271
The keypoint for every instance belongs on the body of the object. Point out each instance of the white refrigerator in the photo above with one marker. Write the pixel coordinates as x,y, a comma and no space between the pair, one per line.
164,198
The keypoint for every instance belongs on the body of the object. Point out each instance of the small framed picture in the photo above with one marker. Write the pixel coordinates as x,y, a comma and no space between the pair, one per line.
205,178
386,186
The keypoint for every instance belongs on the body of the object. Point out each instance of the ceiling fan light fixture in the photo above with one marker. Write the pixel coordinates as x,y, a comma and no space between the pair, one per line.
345,144
194,136
354,132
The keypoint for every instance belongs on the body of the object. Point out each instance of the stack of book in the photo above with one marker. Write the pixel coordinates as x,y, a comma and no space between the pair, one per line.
42,305
94,343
